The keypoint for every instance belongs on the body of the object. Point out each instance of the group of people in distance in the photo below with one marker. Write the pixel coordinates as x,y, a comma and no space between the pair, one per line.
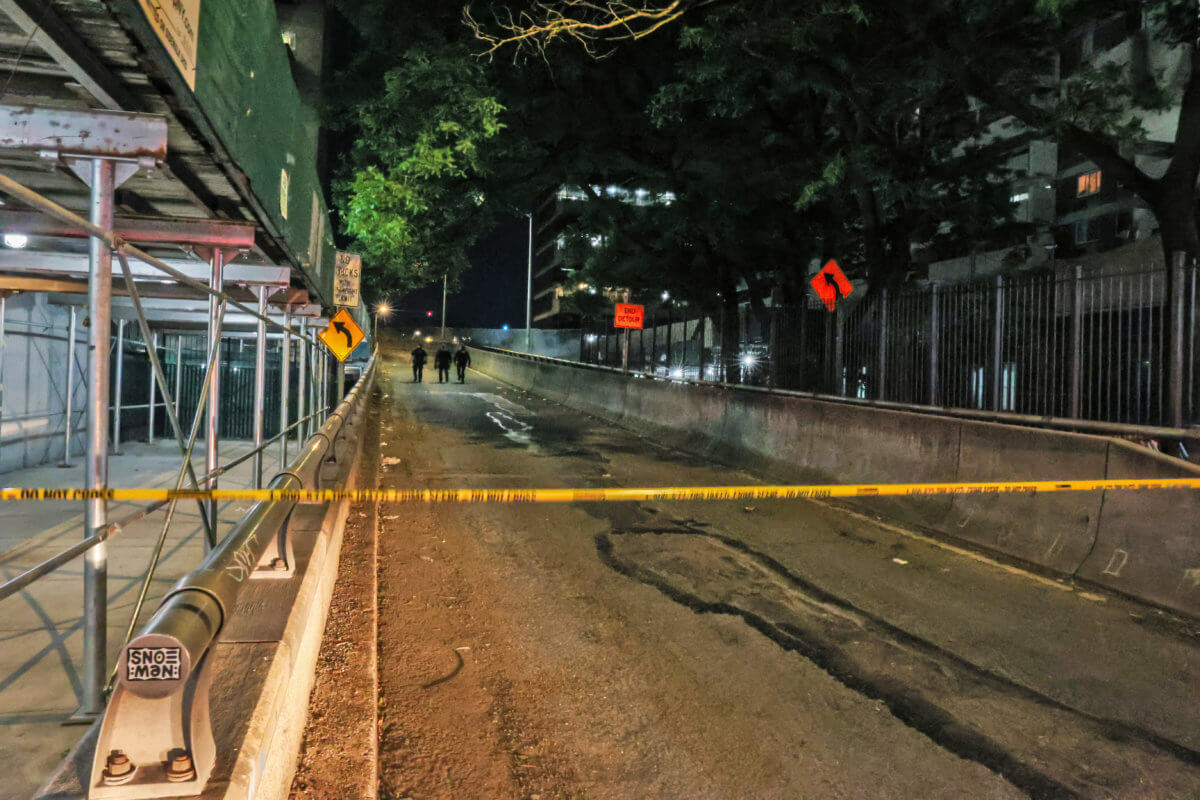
441,360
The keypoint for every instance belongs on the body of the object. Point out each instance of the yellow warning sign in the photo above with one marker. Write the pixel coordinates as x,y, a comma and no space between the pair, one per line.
342,334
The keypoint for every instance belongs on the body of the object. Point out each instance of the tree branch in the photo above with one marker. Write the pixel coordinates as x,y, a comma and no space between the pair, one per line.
587,22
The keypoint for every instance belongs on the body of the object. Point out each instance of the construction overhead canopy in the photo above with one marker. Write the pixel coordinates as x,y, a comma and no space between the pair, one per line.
242,146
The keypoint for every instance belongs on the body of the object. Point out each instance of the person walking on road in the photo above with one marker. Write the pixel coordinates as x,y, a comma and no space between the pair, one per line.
442,361
419,357
462,360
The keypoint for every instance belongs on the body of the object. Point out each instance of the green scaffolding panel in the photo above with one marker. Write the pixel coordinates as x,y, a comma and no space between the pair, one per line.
246,101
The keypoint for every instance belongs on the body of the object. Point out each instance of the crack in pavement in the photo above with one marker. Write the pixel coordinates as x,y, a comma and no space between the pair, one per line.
1040,745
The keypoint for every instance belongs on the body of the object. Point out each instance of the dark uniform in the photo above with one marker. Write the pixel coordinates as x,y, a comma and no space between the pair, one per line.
462,360
418,360
441,360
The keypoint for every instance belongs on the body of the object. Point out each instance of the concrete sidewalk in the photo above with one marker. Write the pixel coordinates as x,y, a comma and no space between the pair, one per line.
41,630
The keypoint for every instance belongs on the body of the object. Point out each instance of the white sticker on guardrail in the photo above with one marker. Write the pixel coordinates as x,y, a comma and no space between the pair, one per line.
153,664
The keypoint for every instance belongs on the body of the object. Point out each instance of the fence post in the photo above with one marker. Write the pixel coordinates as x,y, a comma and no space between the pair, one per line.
654,345
998,345
120,379
801,362
1076,367
1190,360
70,391
773,337
670,330
1175,369
839,318
153,394
179,377
881,371
700,329
625,341
934,343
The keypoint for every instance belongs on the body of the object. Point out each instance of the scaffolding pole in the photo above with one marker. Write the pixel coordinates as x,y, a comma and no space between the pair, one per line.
285,378
94,669
260,387
212,428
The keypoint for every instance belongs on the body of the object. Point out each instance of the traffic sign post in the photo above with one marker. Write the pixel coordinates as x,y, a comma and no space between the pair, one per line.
342,335
628,316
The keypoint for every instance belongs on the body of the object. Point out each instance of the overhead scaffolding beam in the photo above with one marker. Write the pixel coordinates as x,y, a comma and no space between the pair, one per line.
183,231
52,35
31,261
32,198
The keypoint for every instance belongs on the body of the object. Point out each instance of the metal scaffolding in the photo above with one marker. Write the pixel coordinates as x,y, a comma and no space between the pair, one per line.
160,296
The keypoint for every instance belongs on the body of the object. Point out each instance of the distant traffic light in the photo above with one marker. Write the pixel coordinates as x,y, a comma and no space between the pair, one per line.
429,313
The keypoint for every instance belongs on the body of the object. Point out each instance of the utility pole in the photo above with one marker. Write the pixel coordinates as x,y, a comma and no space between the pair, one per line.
529,290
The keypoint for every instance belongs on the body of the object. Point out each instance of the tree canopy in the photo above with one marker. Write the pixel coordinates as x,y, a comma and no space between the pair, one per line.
783,132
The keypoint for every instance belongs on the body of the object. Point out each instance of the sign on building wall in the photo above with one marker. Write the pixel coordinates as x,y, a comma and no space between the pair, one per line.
177,23
347,280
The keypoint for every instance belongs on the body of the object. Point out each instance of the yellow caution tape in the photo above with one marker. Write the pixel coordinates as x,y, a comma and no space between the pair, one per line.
601,494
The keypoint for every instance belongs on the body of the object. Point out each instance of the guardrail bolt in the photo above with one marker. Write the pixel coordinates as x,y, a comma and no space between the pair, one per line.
179,766
118,768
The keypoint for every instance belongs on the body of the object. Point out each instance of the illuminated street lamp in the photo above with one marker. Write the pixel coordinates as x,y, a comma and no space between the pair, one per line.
381,310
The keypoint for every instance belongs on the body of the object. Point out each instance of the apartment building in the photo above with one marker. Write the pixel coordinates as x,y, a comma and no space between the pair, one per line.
1077,212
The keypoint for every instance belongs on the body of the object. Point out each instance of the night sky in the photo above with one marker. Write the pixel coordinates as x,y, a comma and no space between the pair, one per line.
493,289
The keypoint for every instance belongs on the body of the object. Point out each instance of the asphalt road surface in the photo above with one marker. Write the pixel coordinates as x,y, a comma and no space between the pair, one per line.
715,650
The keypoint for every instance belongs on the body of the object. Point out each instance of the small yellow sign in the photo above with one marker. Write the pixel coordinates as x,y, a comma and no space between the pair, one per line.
342,335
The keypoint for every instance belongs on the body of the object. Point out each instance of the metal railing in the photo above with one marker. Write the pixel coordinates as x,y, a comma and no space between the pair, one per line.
1116,349
104,244
159,703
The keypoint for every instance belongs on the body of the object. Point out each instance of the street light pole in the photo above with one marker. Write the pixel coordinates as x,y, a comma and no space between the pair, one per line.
529,289
443,308
381,310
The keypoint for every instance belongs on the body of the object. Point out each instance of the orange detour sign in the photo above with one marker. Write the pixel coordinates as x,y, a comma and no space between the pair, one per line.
342,335
629,316
831,284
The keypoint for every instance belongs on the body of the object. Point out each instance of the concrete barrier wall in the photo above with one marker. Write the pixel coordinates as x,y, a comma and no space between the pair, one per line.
1141,544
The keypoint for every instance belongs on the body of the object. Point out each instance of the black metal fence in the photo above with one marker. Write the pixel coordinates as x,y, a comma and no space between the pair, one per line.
1112,346
184,367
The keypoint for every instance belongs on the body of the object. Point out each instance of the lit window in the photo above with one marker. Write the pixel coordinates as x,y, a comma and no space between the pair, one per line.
1088,184
1020,197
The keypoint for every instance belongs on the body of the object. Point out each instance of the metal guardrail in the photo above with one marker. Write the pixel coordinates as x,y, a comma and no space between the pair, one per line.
156,737
1190,435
